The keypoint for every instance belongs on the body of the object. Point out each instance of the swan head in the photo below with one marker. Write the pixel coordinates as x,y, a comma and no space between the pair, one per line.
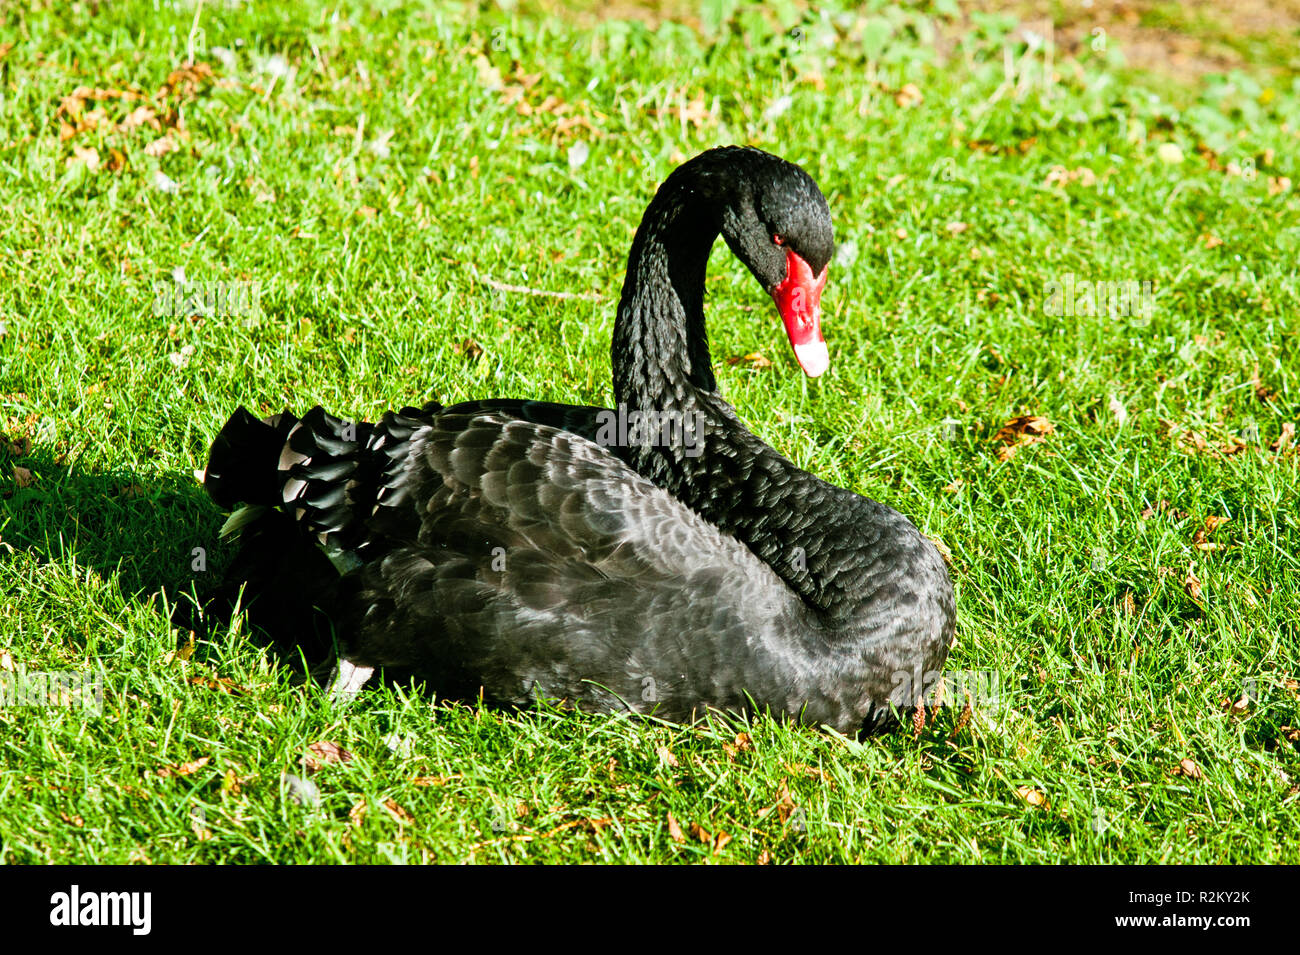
777,222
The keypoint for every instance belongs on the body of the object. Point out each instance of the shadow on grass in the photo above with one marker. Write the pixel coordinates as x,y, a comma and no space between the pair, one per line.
162,537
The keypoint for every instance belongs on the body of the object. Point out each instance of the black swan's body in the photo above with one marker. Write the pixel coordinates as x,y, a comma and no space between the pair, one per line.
521,550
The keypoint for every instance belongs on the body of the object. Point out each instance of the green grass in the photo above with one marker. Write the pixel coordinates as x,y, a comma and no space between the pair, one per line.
373,251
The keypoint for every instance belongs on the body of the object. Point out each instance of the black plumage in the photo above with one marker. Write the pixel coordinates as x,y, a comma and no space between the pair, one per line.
512,549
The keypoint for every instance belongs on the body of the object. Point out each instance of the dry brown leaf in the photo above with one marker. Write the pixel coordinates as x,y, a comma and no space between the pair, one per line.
1278,185
910,95
1209,241
675,829
322,753
1186,767
752,360
956,228
398,813
1285,441
72,820
23,477
469,348
1060,176
1236,707
357,814
140,116
1021,431
785,804
367,212
1192,584
1035,797
161,146
183,769
666,757
224,684
1200,540
230,782
434,780
764,858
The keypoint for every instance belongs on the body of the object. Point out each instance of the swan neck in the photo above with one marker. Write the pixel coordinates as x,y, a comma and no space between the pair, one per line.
660,350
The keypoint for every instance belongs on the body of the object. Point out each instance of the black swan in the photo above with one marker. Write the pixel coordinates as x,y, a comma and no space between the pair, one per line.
658,558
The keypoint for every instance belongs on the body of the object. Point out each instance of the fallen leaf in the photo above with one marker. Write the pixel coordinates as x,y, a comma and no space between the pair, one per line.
1237,707
230,782
224,684
183,769
72,820
401,815
752,360
1209,241
86,155
23,477
1200,540
764,858
1035,797
956,228
1278,185
1060,176
1022,431
161,146
1188,768
434,780
357,814
1192,584
666,757
910,95
469,348
675,830
323,753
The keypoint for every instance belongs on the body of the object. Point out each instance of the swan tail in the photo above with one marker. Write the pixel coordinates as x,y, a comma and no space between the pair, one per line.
323,471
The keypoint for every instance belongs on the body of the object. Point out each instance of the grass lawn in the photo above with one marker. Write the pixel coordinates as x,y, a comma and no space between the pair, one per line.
342,188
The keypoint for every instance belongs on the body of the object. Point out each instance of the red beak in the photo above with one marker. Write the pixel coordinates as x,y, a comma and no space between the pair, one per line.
799,300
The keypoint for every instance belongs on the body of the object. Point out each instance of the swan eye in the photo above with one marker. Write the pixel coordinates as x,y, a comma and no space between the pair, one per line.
778,238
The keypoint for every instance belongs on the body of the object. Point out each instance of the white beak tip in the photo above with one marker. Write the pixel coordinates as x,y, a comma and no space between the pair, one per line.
814,358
